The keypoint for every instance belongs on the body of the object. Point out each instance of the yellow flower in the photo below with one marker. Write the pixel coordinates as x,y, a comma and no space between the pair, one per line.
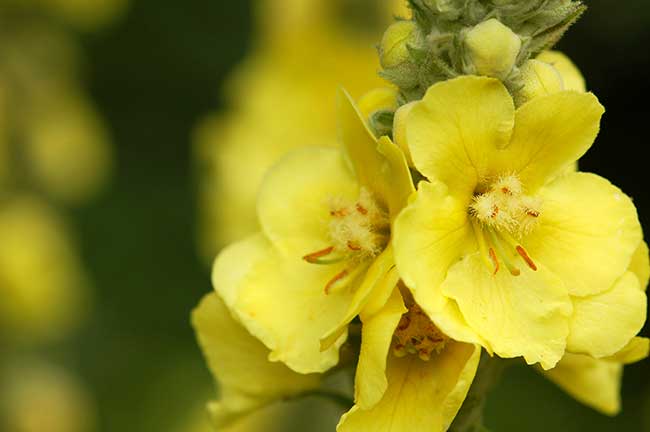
247,379
498,246
597,382
42,285
410,375
301,57
326,220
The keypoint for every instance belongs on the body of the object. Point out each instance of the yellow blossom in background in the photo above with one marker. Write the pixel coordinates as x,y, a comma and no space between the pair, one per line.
53,134
86,15
303,52
67,148
499,243
42,285
36,396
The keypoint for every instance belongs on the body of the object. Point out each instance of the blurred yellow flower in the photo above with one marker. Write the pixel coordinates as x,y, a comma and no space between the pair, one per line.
499,244
36,396
42,286
52,134
83,14
304,51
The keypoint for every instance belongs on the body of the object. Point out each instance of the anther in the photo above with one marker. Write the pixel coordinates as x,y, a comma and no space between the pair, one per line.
495,261
334,280
522,252
361,209
353,246
314,256
424,355
399,351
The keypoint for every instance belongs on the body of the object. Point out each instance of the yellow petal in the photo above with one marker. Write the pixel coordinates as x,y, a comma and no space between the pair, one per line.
587,233
604,323
247,380
396,174
399,129
420,395
550,133
636,350
281,301
373,278
376,337
386,174
640,265
596,383
294,198
525,315
453,133
430,235
571,76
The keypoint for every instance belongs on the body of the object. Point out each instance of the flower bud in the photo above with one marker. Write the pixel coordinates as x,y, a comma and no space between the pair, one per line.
491,49
539,79
394,50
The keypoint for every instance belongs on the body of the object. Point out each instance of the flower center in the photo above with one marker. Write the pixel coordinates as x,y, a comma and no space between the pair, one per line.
358,232
502,214
416,333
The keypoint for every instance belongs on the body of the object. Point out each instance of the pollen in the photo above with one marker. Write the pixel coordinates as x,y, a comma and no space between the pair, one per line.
505,207
416,334
359,229
502,215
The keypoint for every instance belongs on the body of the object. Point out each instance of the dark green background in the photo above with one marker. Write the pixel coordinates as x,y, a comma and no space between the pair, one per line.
159,69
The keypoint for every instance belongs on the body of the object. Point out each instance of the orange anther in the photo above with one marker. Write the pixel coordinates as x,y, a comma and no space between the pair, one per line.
335,279
314,256
521,251
495,211
532,213
339,212
495,260
361,209
353,246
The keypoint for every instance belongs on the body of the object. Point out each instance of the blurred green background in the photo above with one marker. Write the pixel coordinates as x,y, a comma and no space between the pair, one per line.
153,74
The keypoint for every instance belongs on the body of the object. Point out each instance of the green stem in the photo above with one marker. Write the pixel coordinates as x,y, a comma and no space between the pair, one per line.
470,416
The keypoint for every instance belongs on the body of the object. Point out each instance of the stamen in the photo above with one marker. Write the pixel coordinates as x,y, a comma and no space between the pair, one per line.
493,257
503,253
399,351
313,257
353,246
522,252
318,257
361,209
334,280
339,212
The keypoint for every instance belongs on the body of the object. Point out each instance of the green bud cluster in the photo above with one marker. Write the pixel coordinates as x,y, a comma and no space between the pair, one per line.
448,38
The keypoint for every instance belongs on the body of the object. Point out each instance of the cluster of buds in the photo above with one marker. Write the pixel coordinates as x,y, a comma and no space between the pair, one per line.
448,38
